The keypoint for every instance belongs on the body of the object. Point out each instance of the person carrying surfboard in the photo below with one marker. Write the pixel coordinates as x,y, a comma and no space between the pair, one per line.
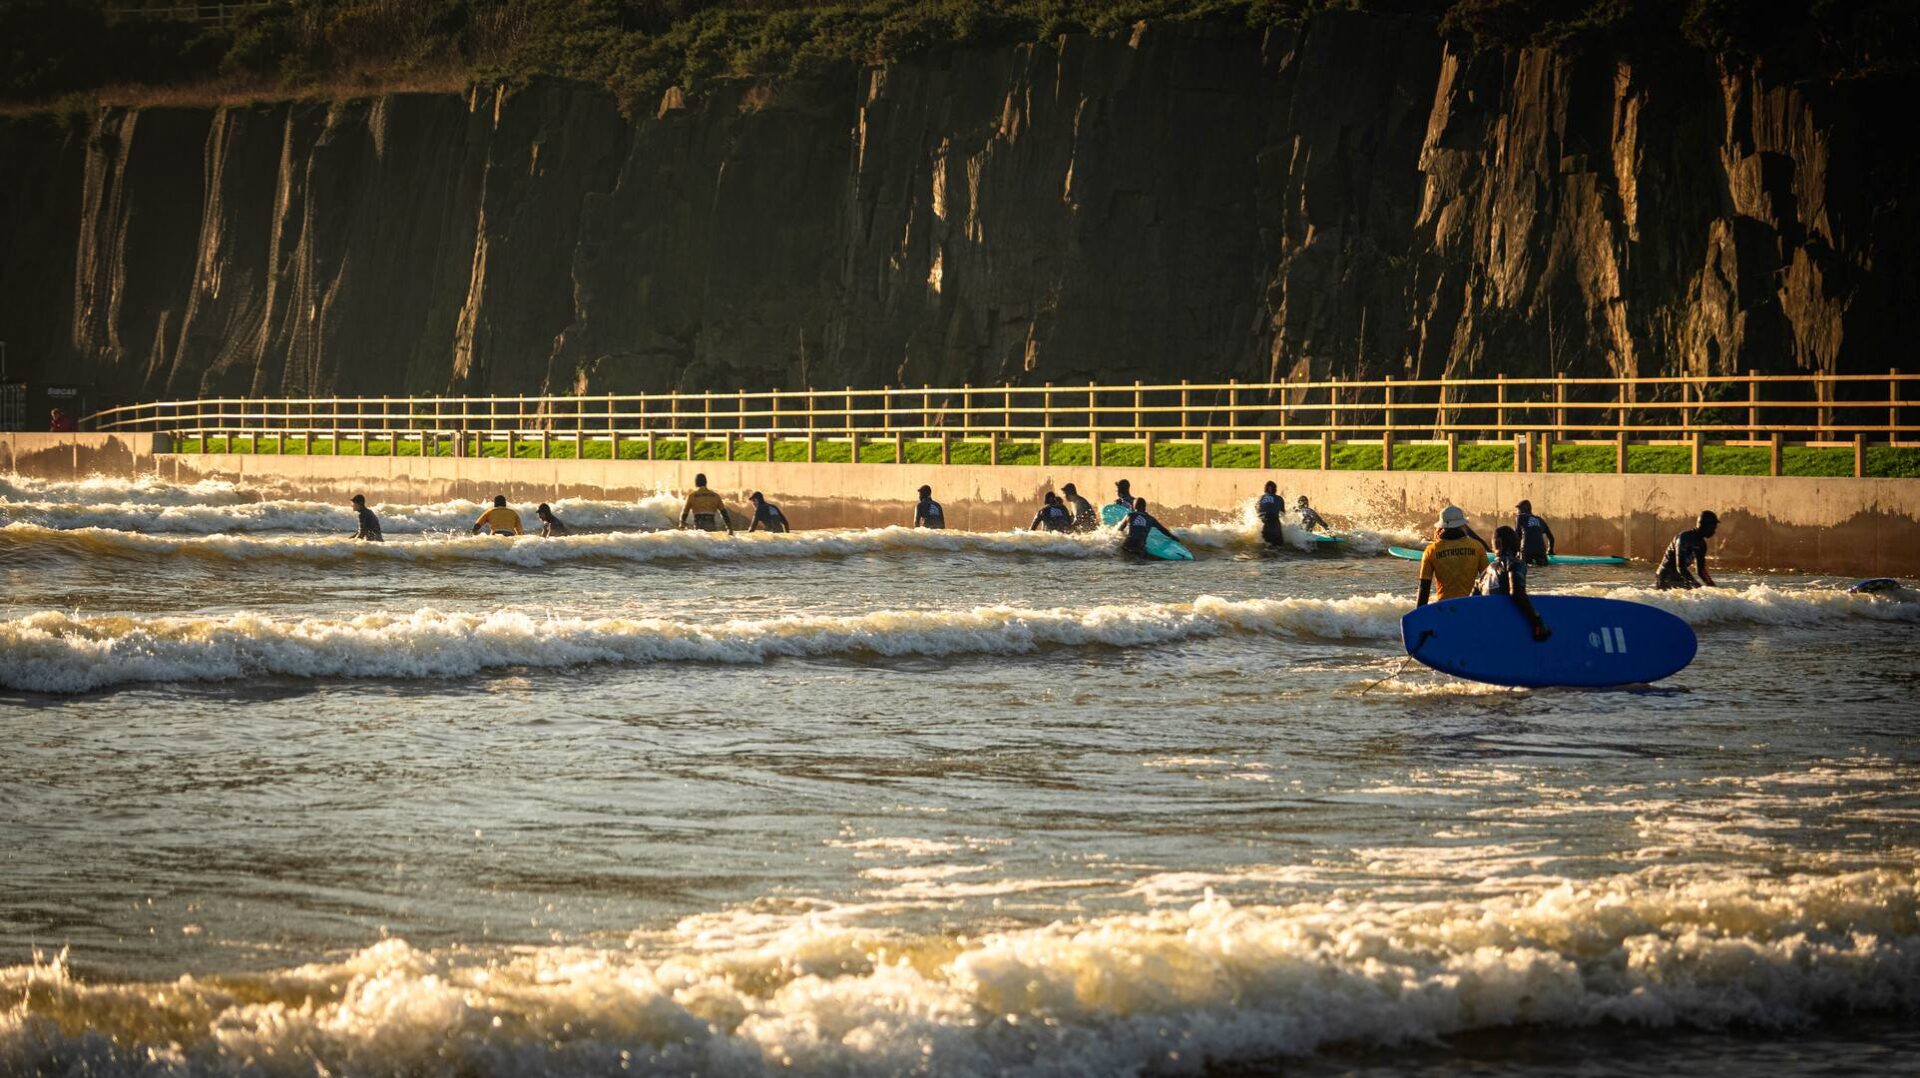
500,520
1140,524
1536,539
767,515
1052,516
1085,519
706,508
1269,508
1123,495
927,512
1689,549
1452,561
1507,575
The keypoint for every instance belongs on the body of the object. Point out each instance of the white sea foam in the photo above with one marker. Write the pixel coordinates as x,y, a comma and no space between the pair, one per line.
116,490
1171,991
534,551
330,520
60,652
52,651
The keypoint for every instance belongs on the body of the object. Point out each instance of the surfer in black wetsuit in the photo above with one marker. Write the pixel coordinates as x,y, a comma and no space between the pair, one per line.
1536,539
1139,524
550,526
1269,508
767,515
1309,519
1688,551
1052,516
1085,519
927,512
1507,575
369,530
1123,495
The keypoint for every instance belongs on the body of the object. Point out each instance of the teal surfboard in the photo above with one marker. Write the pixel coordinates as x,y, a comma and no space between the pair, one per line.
1158,546
1552,559
1318,538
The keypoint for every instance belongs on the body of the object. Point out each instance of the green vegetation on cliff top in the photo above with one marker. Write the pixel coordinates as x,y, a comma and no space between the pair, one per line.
637,48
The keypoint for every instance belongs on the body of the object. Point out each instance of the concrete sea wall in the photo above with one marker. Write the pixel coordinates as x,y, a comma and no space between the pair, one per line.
1856,527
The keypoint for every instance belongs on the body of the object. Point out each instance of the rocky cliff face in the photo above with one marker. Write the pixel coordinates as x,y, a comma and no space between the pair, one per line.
1195,201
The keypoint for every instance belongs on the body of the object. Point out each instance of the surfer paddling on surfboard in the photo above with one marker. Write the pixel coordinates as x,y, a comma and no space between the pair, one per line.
1452,560
1507,575
1140,524
1689,549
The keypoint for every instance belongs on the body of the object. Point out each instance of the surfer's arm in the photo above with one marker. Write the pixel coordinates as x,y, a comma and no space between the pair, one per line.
1520,599
1426,590
727,519
1550,541
1706,577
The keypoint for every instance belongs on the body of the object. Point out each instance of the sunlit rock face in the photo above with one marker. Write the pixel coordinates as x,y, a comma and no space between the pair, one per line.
1356,198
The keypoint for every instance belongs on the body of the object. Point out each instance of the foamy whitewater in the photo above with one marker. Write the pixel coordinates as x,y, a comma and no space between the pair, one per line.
885,802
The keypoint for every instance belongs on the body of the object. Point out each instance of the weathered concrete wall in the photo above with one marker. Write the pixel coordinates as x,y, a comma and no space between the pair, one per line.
1863,527
74,456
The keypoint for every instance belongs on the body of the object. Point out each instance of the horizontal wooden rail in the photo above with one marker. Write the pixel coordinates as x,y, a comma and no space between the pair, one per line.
1745,409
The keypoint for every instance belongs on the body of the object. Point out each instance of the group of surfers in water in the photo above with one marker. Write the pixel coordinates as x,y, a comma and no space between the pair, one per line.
1456,563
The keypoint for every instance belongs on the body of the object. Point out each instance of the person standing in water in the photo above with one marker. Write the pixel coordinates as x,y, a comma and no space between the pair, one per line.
1052,516
706,508
1536,539
500,520
369,530
1139,524
927,512
550,525
1507,575
1309,519
1688,550
766,515
1085,519
1269,508
1123,495
1452,561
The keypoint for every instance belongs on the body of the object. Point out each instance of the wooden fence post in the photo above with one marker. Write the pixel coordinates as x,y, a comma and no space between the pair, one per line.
1773,453
1859,455
1386,428
1266,449
1500,407
1093,425
1698,453
1453,451
1046,421
1753,408
1326,450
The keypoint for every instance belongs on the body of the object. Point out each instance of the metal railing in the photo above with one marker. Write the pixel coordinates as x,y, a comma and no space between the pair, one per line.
1751,409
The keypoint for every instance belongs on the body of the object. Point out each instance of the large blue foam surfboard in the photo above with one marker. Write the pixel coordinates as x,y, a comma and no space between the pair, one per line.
1552,559
1595,642
1158,546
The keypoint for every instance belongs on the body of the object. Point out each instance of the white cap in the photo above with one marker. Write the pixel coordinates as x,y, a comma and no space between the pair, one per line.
1452,517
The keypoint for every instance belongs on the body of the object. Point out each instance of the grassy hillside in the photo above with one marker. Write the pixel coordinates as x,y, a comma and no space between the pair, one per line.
636,48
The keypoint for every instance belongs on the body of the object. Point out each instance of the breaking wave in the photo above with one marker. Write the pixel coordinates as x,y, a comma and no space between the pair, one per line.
59,652
329,519
1174,991
115,490
534,551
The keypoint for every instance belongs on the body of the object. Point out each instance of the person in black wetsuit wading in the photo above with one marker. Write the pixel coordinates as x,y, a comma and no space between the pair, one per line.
1687,552
927,513
1085,519
1536,539
1139,524
767,515
369,530
1270,507
1507,575
551,527
1052,516
1123,495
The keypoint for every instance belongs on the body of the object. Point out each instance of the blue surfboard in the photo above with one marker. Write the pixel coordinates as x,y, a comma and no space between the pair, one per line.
1158,546
1411,554
1595,642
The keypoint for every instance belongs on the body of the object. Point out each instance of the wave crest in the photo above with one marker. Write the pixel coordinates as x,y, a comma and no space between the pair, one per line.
1167,991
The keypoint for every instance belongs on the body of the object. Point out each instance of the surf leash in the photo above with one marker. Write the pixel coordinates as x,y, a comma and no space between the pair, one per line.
1412,652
